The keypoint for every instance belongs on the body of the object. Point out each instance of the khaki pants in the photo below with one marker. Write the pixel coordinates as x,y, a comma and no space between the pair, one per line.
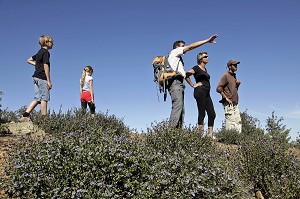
232,118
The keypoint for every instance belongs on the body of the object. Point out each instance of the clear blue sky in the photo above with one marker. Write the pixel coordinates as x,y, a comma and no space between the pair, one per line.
120,39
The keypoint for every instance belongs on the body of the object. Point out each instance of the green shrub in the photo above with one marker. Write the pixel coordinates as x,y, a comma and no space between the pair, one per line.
184,165
276,130
297,142
91,161
100,157
270,168
229,136
8,116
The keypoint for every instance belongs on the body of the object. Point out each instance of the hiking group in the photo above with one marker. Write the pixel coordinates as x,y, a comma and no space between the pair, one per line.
227,87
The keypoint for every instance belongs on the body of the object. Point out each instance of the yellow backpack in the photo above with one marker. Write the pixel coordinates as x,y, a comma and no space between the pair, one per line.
163,73
162,69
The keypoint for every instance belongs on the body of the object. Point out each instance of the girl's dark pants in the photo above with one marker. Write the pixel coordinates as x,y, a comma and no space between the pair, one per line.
91,106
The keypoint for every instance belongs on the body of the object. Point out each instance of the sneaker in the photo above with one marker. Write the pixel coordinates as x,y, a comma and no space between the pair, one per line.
211,136
24,119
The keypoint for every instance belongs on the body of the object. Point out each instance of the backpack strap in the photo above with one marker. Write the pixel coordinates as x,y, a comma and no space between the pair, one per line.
167,62
181,61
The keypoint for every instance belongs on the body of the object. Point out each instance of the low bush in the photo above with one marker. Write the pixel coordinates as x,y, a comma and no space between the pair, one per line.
229,136
87,160
185,165
269,167
100,157
8,116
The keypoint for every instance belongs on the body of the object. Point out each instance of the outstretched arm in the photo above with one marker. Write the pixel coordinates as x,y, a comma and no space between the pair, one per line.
199,43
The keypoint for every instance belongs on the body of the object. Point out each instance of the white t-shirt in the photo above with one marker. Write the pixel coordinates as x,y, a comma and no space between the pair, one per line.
86,85
174,60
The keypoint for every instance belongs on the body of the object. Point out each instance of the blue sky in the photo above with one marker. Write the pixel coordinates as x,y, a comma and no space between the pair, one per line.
119,39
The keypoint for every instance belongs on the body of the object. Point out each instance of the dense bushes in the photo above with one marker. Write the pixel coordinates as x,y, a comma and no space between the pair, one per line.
100,157
268,165
266,162
188,166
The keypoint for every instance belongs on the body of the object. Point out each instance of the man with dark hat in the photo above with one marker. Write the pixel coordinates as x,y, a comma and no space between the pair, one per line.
228,88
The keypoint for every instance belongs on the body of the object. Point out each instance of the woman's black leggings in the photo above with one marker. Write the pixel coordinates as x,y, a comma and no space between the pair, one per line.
204,103
91,106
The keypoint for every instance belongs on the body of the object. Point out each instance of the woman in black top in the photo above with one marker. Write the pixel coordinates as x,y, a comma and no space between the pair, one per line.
202,93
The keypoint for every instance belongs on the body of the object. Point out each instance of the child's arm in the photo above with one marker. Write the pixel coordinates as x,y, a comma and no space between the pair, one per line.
91,90
47,72
80,89
31,61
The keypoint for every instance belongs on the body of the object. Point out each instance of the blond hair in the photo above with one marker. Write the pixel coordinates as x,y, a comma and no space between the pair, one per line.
86,69
44,39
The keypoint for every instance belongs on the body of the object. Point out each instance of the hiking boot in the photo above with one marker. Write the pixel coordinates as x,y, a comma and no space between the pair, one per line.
24,119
